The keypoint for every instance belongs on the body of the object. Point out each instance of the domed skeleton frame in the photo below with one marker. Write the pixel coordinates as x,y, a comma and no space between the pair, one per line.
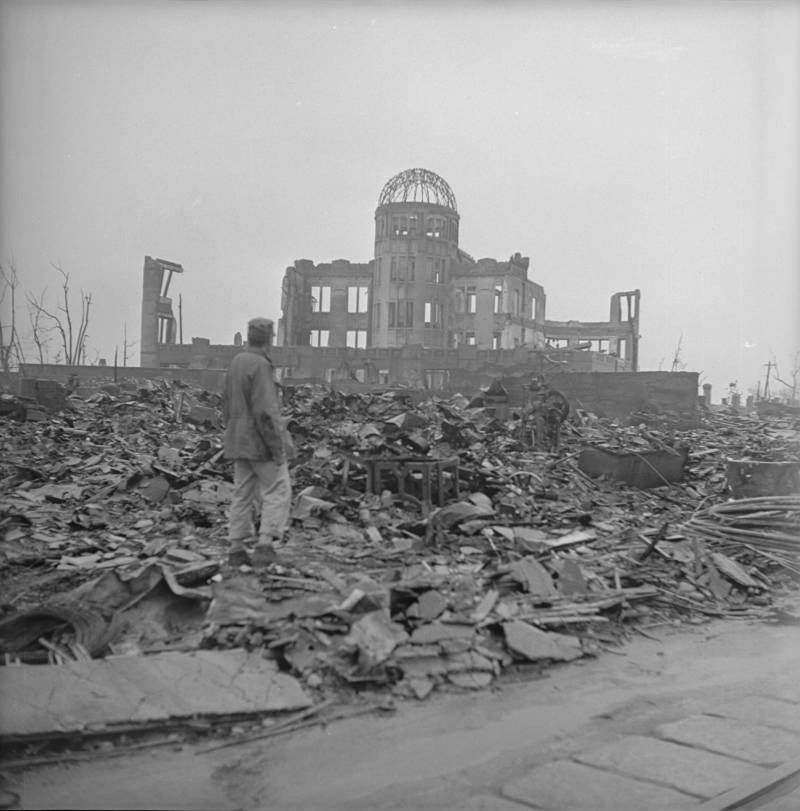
418,186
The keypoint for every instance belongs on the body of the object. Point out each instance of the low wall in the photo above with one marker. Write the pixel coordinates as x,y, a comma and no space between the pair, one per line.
607,394
209,379
618,395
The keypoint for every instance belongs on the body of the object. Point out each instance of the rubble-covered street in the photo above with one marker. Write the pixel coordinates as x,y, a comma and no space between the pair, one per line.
431,551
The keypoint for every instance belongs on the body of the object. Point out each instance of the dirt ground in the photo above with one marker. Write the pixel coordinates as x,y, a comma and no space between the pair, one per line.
454,750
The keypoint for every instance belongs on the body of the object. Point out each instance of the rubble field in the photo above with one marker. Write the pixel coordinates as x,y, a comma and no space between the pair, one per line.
430,549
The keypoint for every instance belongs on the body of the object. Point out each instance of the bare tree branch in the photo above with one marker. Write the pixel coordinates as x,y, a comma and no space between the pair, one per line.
794,374
73,343
10,344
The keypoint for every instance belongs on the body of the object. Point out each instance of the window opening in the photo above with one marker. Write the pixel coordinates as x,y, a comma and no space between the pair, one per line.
319,337
472,300
356,338
498,298
320,298
357,299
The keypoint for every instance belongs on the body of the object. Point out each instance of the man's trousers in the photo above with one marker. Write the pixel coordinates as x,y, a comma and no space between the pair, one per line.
264,487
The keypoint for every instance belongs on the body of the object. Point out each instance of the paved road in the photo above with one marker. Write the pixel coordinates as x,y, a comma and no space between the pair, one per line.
667,724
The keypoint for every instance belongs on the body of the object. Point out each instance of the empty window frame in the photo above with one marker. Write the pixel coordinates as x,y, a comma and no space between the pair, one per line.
357,299
436,378
472,300
319,337
469,338
558,343
401,313
436,267
434,227
628,307
320,298
516,298
599,345
496,340
402,269
400,226
533,306
356,338
433,314
498,298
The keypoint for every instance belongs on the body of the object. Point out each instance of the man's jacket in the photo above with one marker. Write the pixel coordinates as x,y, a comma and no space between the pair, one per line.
251,409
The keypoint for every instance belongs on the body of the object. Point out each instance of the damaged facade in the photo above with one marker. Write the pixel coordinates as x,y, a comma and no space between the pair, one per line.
419,310
422,288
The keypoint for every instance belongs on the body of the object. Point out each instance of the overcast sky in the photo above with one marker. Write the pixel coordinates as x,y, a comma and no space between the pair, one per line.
619,145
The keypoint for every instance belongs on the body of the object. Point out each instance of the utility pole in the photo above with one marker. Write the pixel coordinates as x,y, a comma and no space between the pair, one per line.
180,319
770,366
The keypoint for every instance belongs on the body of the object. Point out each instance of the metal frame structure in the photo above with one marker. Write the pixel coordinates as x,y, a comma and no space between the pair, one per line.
418,186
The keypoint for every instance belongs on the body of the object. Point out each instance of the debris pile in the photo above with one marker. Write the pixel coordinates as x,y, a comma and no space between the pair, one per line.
430,544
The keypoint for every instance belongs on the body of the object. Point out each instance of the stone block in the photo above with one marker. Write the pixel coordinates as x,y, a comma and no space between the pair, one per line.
694,771
566,786
769,712
789,802
766,746
41,699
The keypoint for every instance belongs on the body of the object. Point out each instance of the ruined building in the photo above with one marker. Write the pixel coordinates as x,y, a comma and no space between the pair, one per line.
422,311
422,288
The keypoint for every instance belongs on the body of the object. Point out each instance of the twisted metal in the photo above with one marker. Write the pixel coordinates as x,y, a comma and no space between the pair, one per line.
418,186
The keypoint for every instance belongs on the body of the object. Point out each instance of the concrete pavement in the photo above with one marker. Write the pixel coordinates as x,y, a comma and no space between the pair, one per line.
671,723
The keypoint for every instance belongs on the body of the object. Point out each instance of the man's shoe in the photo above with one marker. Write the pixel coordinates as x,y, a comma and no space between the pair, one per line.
239,557
263,555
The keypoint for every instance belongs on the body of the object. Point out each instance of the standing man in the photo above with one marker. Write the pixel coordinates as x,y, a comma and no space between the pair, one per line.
546,411
257,442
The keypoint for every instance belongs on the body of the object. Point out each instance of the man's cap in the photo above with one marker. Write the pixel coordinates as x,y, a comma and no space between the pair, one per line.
261,325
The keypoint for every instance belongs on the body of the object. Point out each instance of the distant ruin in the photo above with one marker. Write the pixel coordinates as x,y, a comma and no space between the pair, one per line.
419,313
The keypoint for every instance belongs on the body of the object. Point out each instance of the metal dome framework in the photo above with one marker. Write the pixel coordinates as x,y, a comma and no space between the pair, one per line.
418,186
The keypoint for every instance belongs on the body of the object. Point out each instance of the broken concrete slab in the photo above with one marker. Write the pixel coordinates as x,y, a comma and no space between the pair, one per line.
691,770
42,699
570,577
733,571
470,679
533,644
438,631
485,606
533,577
241,601
420,687
431,604
375,636
566,786
422,666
